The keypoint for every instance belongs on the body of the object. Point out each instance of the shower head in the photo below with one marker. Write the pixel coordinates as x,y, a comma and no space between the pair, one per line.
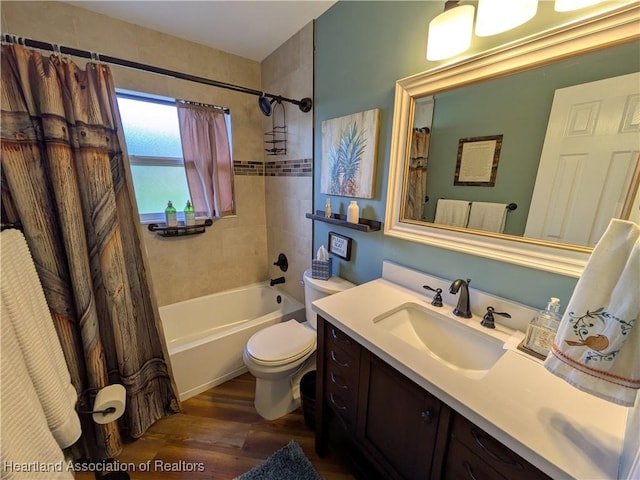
265,104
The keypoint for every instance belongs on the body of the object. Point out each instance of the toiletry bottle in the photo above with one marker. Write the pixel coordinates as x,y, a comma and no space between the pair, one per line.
171,215
327,208
541,332
353,212
189,215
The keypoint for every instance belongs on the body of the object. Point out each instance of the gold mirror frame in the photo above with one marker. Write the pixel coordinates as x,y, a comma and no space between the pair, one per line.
608,29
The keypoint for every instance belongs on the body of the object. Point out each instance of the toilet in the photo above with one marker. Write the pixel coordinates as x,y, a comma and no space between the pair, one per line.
279,355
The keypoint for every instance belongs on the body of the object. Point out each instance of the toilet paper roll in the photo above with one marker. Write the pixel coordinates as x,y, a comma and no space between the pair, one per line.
113,396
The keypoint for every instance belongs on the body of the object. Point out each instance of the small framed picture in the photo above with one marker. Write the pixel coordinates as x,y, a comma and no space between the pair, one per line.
477,163
340,246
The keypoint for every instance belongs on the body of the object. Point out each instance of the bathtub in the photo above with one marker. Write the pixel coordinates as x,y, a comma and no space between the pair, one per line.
206,335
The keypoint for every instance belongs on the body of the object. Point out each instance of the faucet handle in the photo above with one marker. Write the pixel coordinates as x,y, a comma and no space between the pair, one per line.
488,321
437,298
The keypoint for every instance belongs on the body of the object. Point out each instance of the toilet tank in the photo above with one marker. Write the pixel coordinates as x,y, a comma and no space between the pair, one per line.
314,289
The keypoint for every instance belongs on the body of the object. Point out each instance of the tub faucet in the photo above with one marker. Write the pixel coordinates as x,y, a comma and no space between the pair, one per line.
276,281
463,309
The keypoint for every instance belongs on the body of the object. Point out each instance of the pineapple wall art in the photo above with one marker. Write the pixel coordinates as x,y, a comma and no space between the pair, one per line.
349,151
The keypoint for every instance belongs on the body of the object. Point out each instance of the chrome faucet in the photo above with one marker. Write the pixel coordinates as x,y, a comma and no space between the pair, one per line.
463,309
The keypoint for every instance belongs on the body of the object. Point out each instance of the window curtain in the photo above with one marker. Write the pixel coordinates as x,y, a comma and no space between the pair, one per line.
66,179
207,159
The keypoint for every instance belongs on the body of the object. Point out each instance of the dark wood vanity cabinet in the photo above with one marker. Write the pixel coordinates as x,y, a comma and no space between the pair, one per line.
394,426
399,422
341,375
474,454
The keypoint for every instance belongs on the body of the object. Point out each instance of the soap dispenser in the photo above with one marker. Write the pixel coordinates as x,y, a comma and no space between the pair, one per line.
541,332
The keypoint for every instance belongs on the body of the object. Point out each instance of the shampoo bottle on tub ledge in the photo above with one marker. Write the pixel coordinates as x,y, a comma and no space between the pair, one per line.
171,216
189,215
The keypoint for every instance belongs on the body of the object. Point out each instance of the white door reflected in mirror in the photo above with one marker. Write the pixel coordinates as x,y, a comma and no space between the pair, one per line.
588,162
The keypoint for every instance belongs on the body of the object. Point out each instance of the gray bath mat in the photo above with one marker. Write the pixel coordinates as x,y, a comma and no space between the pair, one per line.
288,463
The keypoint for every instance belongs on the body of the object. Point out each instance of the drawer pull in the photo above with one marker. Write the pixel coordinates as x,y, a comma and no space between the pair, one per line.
341,338
334,379
508,462
333,357
333,401
467,467
426,416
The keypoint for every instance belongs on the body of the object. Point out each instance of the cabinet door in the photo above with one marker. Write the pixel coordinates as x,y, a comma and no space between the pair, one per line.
398,426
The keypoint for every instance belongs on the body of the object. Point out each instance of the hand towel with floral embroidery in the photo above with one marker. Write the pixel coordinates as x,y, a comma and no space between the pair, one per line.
597,346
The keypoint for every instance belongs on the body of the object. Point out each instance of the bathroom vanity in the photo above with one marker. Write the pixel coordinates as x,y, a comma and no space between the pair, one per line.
404,411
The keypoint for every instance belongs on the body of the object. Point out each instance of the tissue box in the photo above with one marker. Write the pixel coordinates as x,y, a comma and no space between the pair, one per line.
321,269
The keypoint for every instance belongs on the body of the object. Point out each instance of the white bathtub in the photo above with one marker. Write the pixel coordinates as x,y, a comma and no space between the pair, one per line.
206,335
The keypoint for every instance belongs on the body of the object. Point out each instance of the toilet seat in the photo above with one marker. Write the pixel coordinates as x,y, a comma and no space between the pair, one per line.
281,343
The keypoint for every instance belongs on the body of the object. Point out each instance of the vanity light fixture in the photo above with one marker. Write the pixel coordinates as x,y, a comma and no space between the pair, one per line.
569,5
497,16
450,32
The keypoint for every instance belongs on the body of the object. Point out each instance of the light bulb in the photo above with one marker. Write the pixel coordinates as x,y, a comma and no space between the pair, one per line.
497,16
450,33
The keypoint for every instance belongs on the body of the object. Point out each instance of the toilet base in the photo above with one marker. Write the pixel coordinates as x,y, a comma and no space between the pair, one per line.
276,398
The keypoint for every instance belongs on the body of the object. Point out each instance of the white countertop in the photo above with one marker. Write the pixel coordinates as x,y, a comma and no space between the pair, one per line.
561,430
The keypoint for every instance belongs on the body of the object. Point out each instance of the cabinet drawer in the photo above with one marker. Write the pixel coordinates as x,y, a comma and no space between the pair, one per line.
340,339
494,453
341,382
461,464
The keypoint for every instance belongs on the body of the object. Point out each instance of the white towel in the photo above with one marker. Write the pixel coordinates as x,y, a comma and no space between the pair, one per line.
454,213
25,307
597,346
490,217
26,439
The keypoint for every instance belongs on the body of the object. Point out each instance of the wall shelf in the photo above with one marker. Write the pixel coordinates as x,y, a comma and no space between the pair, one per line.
181,230
363,225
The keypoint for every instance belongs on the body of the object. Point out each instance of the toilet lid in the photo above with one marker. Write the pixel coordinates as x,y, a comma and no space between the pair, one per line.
282,342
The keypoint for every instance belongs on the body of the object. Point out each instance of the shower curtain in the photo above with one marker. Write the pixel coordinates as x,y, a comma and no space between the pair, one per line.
65,178
417,174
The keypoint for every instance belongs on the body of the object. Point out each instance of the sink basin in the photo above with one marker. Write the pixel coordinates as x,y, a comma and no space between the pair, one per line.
449,340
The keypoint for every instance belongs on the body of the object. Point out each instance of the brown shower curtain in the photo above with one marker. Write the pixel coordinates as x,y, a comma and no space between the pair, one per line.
417,174
65,178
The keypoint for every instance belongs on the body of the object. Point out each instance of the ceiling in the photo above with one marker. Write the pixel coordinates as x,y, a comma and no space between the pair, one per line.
250,29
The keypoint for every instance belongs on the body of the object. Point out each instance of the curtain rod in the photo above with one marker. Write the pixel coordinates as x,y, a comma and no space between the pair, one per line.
304,104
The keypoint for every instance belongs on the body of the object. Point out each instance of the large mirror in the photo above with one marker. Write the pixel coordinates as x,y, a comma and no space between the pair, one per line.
474,166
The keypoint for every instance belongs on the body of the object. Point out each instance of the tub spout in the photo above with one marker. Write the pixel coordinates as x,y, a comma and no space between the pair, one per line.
276,281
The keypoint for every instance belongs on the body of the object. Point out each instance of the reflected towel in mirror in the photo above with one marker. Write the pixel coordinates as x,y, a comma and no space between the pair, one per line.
490,217
454,213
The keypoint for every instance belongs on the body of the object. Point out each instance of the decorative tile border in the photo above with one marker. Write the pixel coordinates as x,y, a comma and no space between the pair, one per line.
289,168
275,168
248,168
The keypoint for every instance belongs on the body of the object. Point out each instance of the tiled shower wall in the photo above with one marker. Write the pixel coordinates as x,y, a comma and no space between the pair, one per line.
233,252
288,178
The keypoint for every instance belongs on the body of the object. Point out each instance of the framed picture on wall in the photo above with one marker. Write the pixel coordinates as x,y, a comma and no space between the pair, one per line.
478,161
349,152
340,245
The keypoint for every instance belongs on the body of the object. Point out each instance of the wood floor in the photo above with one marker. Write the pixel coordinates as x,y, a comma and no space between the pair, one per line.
221,430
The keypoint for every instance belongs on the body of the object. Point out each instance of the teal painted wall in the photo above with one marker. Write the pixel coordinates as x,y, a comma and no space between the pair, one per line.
362,48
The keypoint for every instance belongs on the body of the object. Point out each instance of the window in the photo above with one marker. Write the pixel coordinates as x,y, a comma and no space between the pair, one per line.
152,134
